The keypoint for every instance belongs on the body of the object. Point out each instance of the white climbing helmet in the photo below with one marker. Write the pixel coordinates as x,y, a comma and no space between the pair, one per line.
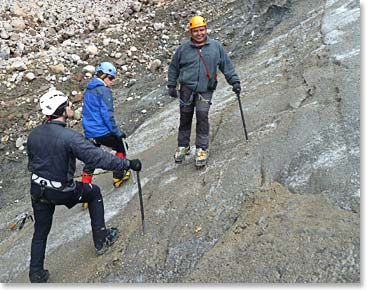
51,100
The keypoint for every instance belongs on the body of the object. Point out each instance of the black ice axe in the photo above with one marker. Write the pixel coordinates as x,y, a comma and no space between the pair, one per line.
141,201
243,119
125,147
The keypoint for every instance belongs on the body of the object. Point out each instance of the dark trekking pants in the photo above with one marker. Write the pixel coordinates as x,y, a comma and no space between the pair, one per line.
189,101
113,142
44,210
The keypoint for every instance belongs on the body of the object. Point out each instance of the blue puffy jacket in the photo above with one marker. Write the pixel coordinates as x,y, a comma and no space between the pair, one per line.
98,117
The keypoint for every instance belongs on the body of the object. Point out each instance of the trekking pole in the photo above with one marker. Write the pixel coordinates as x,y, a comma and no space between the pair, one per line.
132,172
141,202
243,119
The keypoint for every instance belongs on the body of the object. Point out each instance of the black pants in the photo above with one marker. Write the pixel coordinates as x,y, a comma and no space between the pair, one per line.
190,101
43,214
113,142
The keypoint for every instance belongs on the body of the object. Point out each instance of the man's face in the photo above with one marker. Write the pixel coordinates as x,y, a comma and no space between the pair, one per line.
198,34
109,81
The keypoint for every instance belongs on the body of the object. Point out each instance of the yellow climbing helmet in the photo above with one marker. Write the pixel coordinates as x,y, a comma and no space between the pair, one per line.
197,21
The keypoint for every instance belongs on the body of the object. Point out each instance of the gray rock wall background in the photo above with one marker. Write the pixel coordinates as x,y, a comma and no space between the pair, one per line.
283,207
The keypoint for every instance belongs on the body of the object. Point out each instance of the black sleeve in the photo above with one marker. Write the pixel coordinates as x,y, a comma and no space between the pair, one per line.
85,151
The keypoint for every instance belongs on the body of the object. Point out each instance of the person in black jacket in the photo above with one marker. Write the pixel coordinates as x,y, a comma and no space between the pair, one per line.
53,167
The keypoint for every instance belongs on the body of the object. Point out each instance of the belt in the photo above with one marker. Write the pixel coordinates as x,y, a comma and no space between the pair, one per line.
46,182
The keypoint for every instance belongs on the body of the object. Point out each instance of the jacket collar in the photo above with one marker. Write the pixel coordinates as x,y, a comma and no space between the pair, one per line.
55,122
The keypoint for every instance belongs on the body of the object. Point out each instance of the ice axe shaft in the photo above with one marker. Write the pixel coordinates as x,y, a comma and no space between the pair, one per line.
243,118
141,202
132,172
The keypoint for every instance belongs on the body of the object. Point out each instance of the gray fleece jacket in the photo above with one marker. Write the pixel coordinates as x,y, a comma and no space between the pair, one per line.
188,68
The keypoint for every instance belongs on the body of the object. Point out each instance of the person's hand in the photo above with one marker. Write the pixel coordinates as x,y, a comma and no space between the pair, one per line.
236,88
135,164
172,91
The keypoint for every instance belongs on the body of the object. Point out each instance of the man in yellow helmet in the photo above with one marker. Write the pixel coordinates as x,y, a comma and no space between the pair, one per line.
194,66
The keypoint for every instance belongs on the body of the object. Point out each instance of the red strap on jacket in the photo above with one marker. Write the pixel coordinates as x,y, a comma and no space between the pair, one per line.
206,67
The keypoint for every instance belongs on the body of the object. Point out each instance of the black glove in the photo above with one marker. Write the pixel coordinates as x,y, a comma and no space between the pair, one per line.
236,88
172,91
135,164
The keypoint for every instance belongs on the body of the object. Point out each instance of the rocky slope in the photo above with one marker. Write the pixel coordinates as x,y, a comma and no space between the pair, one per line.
283,207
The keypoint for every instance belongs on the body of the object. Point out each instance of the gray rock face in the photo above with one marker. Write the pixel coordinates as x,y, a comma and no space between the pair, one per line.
283,207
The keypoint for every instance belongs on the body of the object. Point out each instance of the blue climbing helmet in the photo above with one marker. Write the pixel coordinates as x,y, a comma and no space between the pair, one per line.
107,68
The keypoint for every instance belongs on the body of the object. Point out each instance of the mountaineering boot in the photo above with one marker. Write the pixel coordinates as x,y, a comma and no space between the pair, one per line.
180,153
118,181
201,157
86,178
102,244
40,276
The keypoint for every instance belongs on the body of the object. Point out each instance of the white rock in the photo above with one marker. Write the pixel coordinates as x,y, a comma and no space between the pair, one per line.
29,76
4,34
158,26
154,65
19,65
18,24
19,142
89,68
91,49
106,41
75,58
136,6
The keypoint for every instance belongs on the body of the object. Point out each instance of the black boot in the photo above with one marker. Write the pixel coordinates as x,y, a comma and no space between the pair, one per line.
40,276
103,239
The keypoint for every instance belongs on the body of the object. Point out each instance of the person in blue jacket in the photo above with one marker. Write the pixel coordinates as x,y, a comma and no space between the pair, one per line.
99,122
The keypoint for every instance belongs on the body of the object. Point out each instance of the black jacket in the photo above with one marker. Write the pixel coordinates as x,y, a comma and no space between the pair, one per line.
52,151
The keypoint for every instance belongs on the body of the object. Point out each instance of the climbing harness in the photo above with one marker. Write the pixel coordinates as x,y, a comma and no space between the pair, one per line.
193,96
